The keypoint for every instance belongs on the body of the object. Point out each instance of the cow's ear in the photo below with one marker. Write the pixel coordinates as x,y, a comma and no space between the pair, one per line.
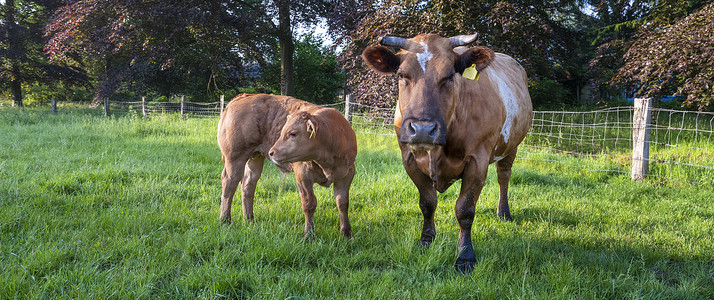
381,59
479,56
311,127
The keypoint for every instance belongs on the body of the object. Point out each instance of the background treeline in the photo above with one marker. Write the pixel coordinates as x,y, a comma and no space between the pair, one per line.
587,52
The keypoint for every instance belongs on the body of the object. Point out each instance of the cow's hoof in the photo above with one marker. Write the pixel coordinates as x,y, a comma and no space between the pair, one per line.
225,220
347,234
464,266
425,243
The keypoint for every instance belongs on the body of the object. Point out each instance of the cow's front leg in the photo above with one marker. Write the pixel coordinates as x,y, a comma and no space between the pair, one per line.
341,189
307,196
472,182
427,199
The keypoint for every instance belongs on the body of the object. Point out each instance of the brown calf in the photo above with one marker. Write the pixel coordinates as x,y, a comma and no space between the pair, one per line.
315,142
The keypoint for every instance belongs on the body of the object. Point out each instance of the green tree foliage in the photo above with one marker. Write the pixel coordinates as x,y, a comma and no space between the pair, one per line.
277,19
168,47
318,78
22,61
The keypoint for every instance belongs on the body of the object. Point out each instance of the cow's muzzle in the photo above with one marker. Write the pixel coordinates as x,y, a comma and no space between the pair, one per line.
423,132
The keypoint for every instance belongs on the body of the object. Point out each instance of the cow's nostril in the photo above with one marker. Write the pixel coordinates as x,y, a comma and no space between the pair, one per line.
412,129
271,153
434,131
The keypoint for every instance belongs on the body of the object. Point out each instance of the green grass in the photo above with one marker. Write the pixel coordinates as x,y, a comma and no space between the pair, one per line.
100,208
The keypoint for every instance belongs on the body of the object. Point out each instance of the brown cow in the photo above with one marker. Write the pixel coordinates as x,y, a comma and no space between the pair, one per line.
315,142
451,127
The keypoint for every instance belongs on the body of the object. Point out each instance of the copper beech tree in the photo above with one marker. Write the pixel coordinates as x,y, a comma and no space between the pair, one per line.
674,59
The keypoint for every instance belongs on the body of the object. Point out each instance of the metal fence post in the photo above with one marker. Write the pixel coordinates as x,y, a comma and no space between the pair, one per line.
348,112
641,121
54,106
183,100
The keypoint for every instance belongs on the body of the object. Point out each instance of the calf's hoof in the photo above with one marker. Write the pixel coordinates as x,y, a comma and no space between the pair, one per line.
225,220
464,266
505,215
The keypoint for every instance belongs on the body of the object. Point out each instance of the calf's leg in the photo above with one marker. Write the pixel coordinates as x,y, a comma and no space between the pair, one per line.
309,202
251,174
472,182
230,178
341,189
503,168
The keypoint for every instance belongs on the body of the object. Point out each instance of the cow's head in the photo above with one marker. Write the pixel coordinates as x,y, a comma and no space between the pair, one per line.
298,140
429,69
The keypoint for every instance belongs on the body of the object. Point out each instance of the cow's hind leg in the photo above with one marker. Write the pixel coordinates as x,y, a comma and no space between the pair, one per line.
341,190
230,178
251,174
471,185
503,168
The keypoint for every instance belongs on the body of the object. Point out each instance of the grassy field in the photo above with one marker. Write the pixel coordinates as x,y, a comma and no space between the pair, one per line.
101,208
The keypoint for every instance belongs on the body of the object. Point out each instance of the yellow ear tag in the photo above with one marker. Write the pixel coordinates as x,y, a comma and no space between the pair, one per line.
471,73
312,134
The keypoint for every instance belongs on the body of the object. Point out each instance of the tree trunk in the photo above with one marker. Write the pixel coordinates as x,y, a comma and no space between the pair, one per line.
287,48
15,53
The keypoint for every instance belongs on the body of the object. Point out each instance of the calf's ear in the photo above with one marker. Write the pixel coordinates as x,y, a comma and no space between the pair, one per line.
381,59
479,56
311,127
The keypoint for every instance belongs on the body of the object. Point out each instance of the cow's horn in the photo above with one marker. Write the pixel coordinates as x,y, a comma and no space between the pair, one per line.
461,40
392,41
401,43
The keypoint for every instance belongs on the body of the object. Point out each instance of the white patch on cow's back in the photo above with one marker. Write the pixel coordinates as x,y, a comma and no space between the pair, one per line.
424,56
509,102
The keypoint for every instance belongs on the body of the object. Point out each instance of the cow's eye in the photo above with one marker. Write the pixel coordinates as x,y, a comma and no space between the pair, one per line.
447,80
403,77
292,134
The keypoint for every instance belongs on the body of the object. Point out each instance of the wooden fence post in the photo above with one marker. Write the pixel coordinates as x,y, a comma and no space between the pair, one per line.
222,103
106,107
348,112
183,100
54,106
143,106
641,121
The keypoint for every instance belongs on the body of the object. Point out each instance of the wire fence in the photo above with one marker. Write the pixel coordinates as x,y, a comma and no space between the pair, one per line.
681,143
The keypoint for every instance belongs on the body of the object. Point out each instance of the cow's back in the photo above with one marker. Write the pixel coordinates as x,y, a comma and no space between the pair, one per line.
252,123
511,82
342,137
496,110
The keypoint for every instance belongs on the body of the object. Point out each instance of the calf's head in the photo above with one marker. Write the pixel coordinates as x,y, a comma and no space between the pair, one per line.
429,71
298,141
